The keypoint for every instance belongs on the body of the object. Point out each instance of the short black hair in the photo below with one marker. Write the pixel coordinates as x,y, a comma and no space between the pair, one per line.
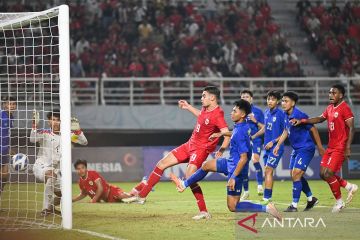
243,105
80,161
293,96
275,94
247,92
213,90
54,113
339,87
8,98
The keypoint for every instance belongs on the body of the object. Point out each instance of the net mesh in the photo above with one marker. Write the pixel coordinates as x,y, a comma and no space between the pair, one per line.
29,72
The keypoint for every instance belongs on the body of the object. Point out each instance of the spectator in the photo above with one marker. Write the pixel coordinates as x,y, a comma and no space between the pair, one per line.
145,30
80,45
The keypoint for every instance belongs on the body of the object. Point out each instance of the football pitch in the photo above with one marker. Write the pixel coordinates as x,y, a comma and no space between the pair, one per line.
167,215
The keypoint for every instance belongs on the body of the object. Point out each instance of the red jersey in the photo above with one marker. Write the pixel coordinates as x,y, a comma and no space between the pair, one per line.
338,131
88,184
208,122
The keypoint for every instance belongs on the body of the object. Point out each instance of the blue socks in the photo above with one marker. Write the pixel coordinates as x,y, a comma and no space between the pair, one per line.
250,207
259,173
246,182
305,187
267,193
196,177
297,187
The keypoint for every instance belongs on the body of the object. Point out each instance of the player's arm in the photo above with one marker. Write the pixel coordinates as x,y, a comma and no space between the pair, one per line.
99,191
260,132
258,122
225,144
239,167
79,197
280,140
314,120
271,143
77,135
35,135
350,124
183,104
220,134
316,137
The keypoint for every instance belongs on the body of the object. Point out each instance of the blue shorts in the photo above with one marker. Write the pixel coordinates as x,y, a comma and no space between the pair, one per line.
221,167
257,146
301,158
4,159
270,159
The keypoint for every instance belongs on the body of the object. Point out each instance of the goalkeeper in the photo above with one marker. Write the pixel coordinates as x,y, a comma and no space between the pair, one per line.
47,165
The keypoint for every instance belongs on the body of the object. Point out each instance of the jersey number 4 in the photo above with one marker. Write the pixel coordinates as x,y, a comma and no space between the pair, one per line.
269,126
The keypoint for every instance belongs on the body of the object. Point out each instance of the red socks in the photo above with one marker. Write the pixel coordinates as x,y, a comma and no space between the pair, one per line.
195,188
140,186
334,186
154,178
342,181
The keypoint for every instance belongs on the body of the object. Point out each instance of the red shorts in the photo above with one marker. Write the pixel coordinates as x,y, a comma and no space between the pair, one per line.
333,159
196,156
114,194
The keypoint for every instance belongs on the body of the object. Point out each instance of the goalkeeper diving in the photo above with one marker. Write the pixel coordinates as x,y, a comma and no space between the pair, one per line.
47,164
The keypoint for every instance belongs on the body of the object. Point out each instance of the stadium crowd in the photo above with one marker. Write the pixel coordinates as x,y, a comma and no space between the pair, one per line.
333,35
174,38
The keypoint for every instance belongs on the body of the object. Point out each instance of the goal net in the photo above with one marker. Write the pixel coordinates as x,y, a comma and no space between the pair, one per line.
35,73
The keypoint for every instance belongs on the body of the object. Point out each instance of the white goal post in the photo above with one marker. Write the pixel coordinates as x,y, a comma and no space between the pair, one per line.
38,76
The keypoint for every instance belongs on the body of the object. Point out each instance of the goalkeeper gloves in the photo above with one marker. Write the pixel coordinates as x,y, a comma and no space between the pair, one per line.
75,125
35,118
75,130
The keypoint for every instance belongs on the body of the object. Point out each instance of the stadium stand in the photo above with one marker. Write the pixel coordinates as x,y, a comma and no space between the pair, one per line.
333,35
129,38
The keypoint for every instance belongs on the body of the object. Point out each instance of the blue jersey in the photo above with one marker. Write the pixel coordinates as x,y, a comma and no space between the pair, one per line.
259,116
299,136
274,125
239,143
6,123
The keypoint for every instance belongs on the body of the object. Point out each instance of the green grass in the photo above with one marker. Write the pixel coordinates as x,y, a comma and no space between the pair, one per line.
167,215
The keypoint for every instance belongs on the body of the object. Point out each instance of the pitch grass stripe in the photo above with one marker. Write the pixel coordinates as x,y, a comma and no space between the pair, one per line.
96,234
255,201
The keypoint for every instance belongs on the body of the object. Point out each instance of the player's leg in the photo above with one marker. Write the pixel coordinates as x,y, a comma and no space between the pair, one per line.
214,165
4,171
331,163
116,194
168,161
49,191
307,155
351,188
259,172
196,161
246,193
234,205
300,161
197,192
271,162
296,188
39,171
135,190
176,156
4,176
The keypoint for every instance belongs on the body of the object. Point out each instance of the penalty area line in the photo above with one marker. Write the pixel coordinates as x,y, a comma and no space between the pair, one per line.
96,234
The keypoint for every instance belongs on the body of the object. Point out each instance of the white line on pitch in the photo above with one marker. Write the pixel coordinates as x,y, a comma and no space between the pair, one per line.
96,234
